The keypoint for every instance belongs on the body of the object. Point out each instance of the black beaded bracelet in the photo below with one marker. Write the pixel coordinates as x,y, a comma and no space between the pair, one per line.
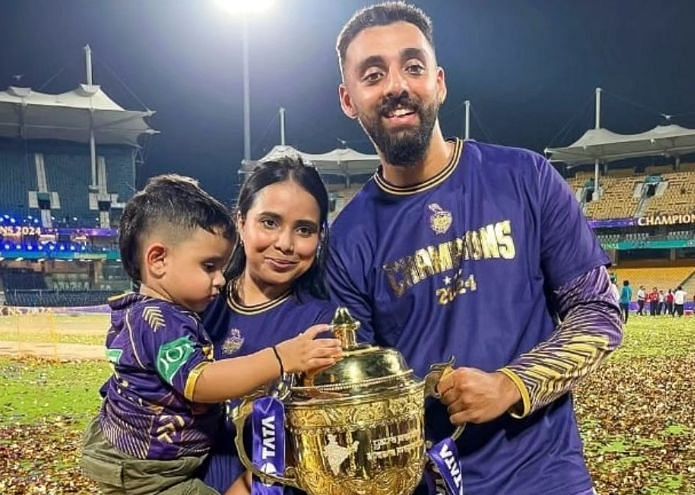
282,367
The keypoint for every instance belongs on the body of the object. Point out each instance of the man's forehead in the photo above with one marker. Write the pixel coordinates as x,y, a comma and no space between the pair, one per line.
386,41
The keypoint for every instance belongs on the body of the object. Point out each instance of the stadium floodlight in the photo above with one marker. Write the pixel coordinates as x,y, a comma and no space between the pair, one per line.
244,9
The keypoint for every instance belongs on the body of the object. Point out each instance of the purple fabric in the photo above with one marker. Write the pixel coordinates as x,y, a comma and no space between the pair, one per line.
590,316
464,264
156,349
268,421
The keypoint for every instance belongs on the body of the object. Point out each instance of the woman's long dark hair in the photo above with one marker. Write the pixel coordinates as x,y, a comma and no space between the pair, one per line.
273,172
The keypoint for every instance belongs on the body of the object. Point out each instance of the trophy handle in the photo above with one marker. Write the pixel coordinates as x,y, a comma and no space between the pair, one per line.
239,415
436,373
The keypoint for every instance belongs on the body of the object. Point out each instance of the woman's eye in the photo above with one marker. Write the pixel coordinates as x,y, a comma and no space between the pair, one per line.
269,223
306,230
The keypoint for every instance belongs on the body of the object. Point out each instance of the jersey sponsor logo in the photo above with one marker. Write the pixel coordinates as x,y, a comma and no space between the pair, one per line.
493,241
441,220
172,356
114,355
233,342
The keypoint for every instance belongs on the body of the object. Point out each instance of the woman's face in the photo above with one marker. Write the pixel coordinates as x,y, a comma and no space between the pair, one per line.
281,234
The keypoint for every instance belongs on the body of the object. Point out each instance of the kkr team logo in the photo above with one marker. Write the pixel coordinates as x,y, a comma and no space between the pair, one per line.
440,221
233,342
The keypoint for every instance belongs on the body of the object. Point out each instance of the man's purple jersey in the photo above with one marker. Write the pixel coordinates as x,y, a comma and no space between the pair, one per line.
157,350
465,265
237,330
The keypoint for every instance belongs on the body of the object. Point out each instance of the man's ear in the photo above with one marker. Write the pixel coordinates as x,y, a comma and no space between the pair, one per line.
346,102
156,259
441,85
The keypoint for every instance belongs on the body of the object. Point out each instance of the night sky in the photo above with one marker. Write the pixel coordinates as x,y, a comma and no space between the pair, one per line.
529,68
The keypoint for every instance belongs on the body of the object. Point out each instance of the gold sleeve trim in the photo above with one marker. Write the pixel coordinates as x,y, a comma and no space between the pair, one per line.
525,397
193,376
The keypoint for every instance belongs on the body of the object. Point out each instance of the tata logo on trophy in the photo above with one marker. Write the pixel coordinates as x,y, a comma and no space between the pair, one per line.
452,464
268,445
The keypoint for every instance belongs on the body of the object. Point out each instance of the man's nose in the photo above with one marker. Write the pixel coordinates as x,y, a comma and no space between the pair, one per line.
396,84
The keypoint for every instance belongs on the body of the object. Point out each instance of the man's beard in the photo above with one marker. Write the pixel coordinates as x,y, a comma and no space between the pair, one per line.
402,147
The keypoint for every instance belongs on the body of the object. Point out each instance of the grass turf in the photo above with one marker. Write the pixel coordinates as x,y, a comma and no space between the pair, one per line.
635,413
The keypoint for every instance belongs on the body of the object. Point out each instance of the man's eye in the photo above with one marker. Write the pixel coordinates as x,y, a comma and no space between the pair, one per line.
372,77
415,69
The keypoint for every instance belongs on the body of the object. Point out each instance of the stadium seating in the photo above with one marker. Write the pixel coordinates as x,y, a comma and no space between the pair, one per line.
120,178
17,179
664,278
53,298
23,280
617,200
69,175
679,196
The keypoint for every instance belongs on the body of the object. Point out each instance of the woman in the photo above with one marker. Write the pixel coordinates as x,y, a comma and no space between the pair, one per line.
275,285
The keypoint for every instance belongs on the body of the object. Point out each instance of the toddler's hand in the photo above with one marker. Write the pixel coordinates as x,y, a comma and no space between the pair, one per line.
307,353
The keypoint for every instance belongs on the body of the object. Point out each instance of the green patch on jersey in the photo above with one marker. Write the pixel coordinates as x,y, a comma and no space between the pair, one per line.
172,356
114,355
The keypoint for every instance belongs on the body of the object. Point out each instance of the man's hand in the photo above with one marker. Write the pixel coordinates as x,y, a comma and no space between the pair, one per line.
474,396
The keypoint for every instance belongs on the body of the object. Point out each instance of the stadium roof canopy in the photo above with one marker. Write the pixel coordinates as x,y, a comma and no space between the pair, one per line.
344,162
606,146
70,116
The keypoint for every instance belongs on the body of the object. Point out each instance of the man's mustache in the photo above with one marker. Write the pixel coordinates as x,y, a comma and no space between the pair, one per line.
391,103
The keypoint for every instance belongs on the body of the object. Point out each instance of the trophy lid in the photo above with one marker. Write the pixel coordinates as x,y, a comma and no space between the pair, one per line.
364,369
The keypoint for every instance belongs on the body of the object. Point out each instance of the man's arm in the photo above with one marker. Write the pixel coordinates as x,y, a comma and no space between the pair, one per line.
591,329
346,291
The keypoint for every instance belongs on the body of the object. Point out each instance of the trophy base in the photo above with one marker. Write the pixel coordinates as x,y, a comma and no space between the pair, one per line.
394,481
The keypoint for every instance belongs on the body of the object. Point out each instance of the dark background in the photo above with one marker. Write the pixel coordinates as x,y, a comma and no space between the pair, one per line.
529,68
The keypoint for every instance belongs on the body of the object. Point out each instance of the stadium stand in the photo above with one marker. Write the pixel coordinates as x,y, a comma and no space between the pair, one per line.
22,280
617,200
69,174
663,278
689,286
678,197
53,298
620,200
18,178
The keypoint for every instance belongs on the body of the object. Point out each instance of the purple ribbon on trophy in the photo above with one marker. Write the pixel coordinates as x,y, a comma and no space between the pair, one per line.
445,458
268,422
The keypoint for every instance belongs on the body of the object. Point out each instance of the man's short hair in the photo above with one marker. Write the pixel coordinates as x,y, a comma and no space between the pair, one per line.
173,201
382,14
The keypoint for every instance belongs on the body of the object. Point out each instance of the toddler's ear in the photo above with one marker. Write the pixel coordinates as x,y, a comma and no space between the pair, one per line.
156,259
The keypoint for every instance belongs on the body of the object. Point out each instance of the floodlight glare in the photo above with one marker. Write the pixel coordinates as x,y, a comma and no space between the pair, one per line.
245,6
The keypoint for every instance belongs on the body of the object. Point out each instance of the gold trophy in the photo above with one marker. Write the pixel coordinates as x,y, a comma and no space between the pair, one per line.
356,427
